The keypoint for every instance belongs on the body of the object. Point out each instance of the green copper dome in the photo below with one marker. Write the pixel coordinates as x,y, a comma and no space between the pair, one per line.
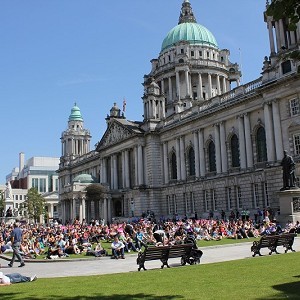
75,114
193,33
84,178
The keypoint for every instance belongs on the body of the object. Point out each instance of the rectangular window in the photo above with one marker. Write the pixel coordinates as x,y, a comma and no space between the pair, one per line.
286,67
229,198
169,205
42,185
181,51
297,144
207,53
200,53
35,183
21,197
192,53
213,200
255,195
267,200
175,204
295,107
239,197
17,197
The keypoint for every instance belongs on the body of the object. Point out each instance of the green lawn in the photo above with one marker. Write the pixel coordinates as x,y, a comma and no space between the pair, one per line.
261,278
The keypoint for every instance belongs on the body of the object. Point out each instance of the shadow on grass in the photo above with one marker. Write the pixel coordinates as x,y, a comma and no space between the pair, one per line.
289,290
9,296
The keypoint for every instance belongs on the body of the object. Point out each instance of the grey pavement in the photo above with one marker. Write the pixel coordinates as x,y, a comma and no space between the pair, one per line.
105,265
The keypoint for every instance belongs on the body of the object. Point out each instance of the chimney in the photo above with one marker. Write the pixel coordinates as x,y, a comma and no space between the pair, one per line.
21,164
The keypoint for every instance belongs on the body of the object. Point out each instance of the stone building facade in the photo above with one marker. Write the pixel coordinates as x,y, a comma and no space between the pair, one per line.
202,146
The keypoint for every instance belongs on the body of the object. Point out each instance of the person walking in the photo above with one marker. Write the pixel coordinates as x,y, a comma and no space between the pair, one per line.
16,238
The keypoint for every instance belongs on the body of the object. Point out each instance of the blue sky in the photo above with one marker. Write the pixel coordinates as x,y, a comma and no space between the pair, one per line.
94,52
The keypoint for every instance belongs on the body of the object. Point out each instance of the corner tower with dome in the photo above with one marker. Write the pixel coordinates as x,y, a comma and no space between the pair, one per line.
205,142
190,69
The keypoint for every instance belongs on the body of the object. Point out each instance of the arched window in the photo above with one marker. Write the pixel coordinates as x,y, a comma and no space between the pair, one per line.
173,166
212,156
261,145
191,158
235,151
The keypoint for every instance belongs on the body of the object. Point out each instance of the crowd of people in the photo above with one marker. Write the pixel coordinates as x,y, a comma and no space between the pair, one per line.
61,240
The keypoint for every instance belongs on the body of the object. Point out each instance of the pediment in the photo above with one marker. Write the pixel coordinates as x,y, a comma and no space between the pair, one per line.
294,124
114,134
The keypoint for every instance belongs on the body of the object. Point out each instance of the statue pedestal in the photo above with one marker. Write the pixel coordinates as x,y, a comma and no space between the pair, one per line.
289,201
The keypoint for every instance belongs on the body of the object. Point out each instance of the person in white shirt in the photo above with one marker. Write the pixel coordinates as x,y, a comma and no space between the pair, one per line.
9,279
117,247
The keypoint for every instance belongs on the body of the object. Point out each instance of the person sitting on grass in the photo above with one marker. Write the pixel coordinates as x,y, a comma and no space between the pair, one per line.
9,279
117,248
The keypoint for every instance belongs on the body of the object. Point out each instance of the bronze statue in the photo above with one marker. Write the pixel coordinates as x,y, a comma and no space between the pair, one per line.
288,168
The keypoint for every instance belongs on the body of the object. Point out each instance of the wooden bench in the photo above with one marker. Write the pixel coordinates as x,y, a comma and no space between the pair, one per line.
163,253
272,242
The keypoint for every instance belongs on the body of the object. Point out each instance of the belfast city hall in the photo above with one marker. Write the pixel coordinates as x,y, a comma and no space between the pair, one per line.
205,142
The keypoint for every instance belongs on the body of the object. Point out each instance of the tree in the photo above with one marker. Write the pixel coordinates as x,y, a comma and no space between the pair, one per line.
95,192
34,205
288,9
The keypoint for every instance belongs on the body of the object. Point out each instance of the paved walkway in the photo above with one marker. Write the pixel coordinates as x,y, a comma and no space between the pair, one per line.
105,265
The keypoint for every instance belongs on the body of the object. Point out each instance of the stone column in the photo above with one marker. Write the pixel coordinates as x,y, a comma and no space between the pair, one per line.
200,89
223,147
170,89
224,85
140,165
178,85
105,214
218,85
51,210
293,37
282,33
83,208
127,174
271,37
165,160
73,208
269,133
248,144
182,158
209,85
112,172
277,35
109,212
123,169
162,91
178,159
201,153
136,174
277,130
187,82
104,170
196,150
298,32
218,148
242,143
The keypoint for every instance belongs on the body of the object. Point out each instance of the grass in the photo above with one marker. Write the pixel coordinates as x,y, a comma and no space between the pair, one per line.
261,278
